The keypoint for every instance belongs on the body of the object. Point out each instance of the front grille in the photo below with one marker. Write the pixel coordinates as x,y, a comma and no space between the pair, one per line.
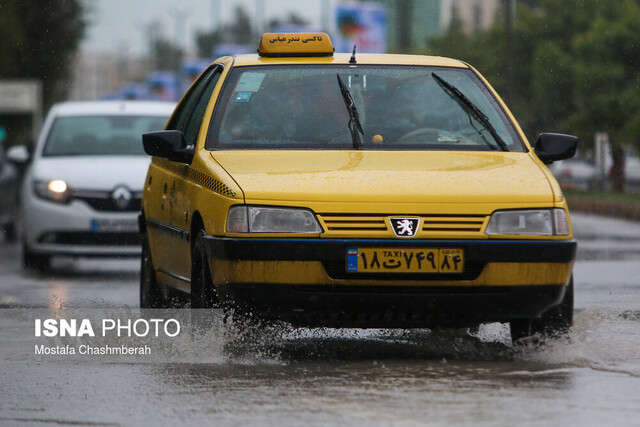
103,201
377,226
90,239
109,205
362,225
453,224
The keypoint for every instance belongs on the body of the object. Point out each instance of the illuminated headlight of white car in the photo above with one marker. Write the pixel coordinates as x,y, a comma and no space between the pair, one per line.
55,190
530,222
260,219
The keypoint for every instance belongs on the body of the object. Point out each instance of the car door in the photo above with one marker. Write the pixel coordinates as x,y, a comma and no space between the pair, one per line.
170,245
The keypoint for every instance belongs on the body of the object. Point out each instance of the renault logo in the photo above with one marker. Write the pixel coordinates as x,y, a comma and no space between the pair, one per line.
121,197
405,227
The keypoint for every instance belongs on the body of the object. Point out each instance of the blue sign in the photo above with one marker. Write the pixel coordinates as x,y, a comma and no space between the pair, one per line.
363,24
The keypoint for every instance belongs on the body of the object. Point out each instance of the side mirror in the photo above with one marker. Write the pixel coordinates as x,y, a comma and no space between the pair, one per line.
168,144
555,146
19,155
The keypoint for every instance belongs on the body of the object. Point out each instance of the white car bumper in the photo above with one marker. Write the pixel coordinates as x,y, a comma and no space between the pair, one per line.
77,229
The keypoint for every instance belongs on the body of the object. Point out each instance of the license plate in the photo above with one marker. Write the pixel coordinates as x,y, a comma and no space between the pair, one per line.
389,260
114,225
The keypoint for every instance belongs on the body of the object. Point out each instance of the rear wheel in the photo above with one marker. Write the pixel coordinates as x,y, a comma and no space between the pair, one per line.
554,322
150,295
33,261
203,294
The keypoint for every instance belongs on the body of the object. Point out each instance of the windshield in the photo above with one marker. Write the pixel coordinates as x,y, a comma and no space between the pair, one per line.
100,135
399,107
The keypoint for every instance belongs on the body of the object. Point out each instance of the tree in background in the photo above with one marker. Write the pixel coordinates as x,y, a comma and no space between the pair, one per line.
292,20
607,79
239,31
542,89
574,68
38,40
167,56
206,42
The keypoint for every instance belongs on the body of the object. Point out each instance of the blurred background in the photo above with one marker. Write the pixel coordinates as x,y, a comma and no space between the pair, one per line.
561,65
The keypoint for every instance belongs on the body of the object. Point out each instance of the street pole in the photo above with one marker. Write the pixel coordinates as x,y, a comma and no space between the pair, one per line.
216,12
404,19
508,25
325,16
180,16
260,16
150,30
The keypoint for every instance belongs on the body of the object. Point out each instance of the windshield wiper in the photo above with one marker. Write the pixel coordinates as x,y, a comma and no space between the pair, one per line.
355,127
454,92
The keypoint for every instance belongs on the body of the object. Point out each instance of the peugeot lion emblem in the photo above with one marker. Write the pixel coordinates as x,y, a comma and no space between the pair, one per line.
405,227
121,197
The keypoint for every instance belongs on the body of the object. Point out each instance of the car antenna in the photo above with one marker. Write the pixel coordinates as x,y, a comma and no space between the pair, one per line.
353,55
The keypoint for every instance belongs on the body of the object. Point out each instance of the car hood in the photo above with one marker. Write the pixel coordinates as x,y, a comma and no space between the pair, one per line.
388,176
93,172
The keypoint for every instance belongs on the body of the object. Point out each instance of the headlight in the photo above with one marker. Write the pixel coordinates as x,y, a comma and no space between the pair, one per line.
533,222
258,219
55,190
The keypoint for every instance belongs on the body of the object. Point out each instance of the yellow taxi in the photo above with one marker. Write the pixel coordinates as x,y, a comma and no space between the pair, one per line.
355,190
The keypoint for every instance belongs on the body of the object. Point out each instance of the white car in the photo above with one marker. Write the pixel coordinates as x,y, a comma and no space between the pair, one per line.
81,193
631,170
575,174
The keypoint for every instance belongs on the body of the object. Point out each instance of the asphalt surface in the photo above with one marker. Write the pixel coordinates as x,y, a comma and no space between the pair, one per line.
279,375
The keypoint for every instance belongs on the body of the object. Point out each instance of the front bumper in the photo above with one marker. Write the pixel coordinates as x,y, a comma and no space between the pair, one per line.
70,229
305,282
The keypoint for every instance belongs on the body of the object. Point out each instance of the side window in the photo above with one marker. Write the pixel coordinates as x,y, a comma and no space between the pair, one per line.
187,117
193,126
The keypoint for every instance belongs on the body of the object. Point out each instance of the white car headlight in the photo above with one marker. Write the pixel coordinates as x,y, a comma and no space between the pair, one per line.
55,190
530,222
260,219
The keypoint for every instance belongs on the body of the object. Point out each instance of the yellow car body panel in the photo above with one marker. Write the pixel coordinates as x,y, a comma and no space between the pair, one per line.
391,177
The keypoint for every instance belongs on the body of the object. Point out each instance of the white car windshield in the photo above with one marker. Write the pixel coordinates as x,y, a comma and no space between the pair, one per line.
399,108
100,135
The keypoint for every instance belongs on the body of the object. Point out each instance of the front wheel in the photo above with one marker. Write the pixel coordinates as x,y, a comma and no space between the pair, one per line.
150,295
39,263
554,322
10,233
203,294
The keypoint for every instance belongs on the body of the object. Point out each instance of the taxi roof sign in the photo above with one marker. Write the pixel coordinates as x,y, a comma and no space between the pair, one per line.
295,44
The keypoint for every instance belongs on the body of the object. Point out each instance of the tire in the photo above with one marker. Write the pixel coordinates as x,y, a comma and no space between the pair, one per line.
555,322
10,234
150,295
203,293
31,261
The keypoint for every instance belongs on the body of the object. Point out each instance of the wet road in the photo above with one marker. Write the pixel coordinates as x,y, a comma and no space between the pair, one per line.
317,377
